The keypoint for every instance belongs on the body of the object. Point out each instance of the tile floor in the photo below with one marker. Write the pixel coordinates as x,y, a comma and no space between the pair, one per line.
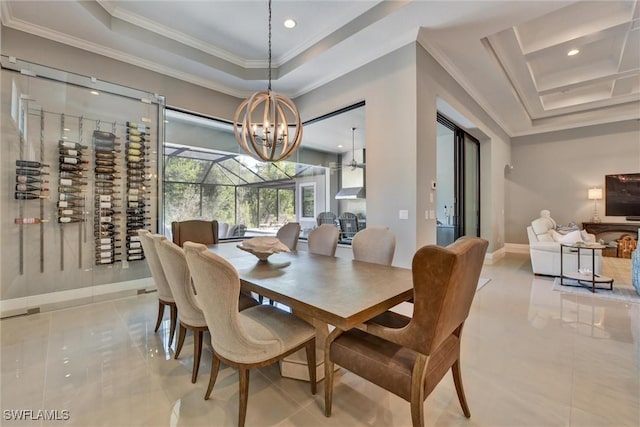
531,357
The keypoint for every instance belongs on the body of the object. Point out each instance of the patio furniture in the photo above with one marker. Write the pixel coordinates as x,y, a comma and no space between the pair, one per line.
195,230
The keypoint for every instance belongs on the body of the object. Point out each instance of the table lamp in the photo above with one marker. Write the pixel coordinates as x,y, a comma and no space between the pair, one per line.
595,194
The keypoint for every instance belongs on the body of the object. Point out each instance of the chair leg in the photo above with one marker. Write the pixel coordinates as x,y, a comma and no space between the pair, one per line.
182,333
160,315
197,352
244,395
174,321
311,363
417,390
457,380
215,366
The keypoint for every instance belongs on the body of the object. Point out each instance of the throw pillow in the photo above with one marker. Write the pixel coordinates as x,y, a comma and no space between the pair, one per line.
587,237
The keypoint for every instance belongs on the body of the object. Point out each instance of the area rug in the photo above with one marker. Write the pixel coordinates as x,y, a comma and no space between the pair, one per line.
620,292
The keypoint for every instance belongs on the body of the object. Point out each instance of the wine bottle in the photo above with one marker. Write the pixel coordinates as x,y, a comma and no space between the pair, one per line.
105,169
112,150
72,175
137,218
72,145
136,187
107,254
137,145
30,172
30,164
134,152
106,241
70,152
106,234
104,162
134,131
105,261
29,196
133,178
136,212
107,247
104,184
136,205
134,245
135,257
71,168
107,177
135,159
30,187
135,138
30,220
71,182
136,172
26,179
104,191
105,219
68,197
135,238
69,219
106,198
65,204
137,225
104,226
67,189
132,165
70,212
72,160
105,155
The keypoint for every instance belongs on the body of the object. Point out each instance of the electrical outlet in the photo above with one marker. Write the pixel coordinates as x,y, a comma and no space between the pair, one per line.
403,214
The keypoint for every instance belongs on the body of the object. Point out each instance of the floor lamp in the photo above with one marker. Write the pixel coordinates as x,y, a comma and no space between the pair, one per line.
595,194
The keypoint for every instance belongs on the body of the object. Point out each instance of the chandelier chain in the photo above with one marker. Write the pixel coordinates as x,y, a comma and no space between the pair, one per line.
269,87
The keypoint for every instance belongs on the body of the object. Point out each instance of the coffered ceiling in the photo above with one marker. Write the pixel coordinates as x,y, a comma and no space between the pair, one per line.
511,56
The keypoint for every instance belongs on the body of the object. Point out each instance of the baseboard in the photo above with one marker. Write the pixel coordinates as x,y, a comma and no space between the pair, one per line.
517,248
63,299
494,256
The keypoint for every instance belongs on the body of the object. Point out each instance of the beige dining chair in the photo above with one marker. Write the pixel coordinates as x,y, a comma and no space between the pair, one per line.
374,244
189,314
289,234
409,356
323,240
253,338
165,296
195,230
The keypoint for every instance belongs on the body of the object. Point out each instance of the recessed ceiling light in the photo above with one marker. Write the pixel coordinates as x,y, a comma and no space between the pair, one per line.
339,146
289,23
573,52
94,92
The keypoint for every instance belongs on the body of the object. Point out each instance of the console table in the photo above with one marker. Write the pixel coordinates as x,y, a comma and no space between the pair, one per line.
606,227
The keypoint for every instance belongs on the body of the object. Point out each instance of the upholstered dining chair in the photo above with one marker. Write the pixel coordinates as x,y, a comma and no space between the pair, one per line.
409,356
374,244
288,234
195,230
348,225
165,296
253,338
223,230
323,240
190,315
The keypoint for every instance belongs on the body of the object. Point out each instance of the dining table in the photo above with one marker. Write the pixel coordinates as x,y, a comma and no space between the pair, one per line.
328,292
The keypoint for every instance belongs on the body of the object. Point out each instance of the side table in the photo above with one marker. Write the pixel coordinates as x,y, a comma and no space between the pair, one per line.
586,279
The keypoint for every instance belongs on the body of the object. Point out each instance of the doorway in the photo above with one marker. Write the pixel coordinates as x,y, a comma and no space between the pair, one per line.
458,177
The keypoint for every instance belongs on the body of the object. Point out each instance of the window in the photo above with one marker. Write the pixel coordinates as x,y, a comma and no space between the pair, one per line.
308,200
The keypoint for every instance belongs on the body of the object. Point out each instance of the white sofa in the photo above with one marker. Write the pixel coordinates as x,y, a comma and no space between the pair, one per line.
544,248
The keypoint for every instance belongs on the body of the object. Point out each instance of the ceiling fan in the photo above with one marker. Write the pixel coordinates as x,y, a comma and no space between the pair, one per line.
354,164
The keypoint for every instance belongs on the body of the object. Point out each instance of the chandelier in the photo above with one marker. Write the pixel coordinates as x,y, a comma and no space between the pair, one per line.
267,124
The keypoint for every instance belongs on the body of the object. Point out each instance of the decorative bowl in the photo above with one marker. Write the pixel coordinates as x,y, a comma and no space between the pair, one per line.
263,247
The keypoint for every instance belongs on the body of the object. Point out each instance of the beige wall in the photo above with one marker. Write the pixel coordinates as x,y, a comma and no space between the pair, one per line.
554,171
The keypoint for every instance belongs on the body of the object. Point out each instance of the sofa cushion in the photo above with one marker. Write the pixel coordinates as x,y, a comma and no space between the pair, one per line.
542,225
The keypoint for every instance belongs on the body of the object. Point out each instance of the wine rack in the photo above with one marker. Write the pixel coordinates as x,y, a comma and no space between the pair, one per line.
106,148
29,180
136,156
72,182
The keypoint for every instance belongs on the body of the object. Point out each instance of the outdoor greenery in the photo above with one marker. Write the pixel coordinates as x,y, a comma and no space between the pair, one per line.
230,188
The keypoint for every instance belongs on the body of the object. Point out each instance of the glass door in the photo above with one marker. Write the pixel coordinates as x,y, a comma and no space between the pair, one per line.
458,177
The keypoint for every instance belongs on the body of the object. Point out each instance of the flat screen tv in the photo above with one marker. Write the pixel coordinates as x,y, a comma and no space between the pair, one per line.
622,195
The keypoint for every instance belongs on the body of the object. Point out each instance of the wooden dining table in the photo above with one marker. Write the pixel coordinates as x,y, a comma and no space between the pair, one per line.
323,290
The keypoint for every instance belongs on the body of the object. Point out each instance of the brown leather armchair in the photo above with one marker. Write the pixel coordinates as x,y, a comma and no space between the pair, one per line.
195,230
409,356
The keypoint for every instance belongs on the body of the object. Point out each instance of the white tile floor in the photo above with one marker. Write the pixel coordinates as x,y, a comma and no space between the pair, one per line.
531,357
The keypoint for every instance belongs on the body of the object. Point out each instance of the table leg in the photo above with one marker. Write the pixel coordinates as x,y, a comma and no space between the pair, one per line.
295,365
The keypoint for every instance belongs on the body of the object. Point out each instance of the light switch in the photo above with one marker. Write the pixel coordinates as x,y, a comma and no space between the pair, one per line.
432,214
403,214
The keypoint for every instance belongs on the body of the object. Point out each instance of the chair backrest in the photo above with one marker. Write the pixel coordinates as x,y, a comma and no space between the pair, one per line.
326,218
176,269
444,283
195,230
157,272
288,234
324,240
374,244
223,229
217,291
348,224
